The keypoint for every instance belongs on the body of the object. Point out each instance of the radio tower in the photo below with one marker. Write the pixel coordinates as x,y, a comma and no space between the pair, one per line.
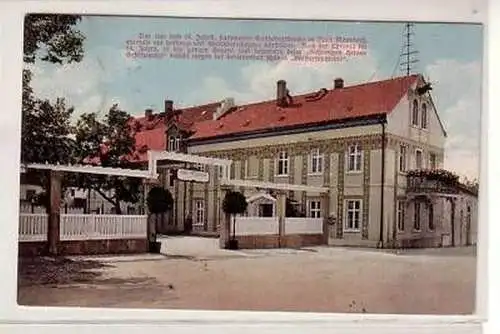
408,54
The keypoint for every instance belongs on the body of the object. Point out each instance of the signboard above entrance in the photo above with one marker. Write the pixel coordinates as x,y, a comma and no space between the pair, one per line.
192,175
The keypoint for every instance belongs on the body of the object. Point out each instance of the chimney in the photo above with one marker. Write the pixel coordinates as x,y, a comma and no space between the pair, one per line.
338,83
148,113
281,93
169,106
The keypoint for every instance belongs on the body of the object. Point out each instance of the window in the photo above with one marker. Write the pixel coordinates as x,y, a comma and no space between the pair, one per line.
401,215
354,158
172,175
171,144
418,159
200,167
174,143
282,163
353,215
468,217
431,217
266,210
199,207
251,167
316,163
432,160
424,116
315,209
416,217
221,171
414,113
402,158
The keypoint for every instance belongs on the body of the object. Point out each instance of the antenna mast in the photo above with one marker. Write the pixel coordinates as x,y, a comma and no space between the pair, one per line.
408,54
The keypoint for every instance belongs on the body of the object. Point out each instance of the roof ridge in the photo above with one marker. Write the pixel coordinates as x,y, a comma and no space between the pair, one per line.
330,90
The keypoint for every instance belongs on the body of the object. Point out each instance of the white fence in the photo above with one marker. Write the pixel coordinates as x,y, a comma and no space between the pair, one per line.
256,225
303,226
33,227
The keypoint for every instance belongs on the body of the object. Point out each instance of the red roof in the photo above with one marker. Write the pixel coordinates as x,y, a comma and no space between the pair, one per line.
151,134
327,105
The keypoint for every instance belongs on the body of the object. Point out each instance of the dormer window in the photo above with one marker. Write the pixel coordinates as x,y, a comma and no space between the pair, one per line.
424,116
414,113
174,143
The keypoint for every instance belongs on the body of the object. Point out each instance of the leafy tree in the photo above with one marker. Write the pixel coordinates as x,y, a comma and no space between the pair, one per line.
107,142
159,200
52,38
45,124
234,203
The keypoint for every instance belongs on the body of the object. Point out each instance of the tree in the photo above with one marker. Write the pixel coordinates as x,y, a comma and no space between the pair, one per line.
52,38
107,142
46,126
159,200
45,133
234,203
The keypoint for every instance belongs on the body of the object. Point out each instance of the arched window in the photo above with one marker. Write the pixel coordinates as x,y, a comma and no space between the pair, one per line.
424,116
414,113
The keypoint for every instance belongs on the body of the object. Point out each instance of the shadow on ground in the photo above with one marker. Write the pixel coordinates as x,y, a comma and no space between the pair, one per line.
63,271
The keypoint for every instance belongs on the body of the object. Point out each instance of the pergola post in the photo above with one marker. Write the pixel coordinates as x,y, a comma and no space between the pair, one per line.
281,210
53,228
225,225
325,212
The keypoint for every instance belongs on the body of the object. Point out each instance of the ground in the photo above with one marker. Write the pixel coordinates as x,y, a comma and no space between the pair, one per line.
194,274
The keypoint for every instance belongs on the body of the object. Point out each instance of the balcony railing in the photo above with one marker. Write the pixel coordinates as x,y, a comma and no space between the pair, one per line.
423,184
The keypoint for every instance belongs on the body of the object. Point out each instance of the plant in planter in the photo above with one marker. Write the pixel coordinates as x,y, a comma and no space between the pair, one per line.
159,201
234,203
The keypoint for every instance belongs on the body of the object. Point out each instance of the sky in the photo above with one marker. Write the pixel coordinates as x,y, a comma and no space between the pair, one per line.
449,55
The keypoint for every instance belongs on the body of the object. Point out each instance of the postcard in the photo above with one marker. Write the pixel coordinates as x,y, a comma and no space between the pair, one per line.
252,165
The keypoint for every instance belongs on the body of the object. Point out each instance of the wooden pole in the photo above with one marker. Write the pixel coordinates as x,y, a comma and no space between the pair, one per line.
325,212
53,231
281,208
225,227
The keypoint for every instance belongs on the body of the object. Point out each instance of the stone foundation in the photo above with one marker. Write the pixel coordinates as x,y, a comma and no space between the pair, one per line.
86,247
427,242
275,241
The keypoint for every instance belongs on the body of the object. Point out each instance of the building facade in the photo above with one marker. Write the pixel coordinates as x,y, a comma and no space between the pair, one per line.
358,141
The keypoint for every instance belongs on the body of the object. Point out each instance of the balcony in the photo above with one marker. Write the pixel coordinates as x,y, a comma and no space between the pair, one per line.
432,181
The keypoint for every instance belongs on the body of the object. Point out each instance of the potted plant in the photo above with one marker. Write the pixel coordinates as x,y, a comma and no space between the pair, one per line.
159,201
234,203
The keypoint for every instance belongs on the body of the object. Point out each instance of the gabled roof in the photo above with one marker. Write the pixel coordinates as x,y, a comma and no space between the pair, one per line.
350,102
150,134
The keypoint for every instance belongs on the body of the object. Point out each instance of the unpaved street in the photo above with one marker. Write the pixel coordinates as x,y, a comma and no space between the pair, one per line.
319,279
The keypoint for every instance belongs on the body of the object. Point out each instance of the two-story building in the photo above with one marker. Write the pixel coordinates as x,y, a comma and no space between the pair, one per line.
359,141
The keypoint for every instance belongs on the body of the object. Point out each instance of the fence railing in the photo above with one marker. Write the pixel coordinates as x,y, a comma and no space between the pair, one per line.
303,225
33,227
256,225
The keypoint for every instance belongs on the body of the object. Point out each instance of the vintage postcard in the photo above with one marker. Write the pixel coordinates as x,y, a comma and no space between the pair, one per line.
263,165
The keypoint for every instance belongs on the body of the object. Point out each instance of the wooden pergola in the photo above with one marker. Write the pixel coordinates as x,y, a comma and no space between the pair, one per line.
150,177
55,178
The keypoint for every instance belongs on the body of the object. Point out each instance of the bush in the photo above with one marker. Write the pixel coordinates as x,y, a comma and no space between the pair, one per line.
159,200
234,203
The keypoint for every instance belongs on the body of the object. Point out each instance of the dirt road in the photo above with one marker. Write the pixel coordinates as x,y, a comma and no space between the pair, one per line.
319,279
